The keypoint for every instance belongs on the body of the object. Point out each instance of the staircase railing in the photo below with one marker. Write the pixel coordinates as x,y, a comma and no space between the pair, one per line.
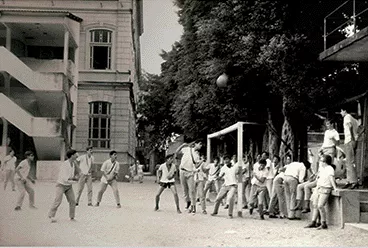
345,21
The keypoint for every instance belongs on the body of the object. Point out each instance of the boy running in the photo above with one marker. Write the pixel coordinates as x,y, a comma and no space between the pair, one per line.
259,188
229,172
24,181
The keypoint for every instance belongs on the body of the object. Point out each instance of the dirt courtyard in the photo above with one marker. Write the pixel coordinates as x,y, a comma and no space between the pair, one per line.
136,224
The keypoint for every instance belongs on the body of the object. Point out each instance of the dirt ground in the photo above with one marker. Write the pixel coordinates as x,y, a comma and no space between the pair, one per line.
136,224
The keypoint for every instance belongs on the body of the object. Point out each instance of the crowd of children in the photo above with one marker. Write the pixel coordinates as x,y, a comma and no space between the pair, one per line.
279,188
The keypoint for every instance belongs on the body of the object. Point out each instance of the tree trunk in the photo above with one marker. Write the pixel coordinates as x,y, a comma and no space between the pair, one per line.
273,138
287,135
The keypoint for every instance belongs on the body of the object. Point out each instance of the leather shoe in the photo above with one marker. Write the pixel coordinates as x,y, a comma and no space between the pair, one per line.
348,185
354,186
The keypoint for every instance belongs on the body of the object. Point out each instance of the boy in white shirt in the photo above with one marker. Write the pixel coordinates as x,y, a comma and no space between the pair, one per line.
259,188
350,148
110,170
86,166
140,171
24,181
325,184
188,165
9,167
330,140
213,173
68,175
229,173
166,178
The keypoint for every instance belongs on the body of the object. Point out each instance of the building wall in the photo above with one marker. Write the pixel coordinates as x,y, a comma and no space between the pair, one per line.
116,16
122,132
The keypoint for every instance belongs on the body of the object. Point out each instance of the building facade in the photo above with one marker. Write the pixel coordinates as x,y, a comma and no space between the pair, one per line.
68,77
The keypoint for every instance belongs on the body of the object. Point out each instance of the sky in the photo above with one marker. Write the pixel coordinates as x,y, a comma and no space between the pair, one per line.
161,30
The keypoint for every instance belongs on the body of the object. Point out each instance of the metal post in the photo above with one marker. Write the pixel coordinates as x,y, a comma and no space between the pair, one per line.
208,150
240,163
324,34
354,19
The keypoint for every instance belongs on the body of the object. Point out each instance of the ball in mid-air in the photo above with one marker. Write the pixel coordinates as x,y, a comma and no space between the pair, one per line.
222,80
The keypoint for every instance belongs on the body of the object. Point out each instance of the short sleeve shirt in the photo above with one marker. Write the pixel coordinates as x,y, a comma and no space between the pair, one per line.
9,162
85,163
349,119
165,173
260,173
230,174
107,167
329,135
189,154
323,178
23,169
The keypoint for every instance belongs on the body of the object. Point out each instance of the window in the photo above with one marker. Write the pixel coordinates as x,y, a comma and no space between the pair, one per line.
100,49
99,124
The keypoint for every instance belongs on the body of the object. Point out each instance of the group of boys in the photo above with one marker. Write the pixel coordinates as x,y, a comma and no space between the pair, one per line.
269,186
75,170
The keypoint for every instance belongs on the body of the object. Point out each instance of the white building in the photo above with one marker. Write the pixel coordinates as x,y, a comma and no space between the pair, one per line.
68,77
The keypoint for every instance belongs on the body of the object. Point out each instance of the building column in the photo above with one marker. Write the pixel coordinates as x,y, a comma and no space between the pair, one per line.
7,92
62,150
8,38
5,122
66,51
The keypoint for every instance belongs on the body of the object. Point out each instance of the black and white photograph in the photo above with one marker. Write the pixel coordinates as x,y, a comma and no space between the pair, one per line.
183,123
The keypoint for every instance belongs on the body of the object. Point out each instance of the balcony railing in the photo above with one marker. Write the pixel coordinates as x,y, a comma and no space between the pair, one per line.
345,21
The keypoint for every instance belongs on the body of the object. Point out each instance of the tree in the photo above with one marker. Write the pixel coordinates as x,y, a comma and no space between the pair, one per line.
269,49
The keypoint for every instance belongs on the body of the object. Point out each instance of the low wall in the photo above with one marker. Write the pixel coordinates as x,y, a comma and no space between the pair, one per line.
343,206
47,170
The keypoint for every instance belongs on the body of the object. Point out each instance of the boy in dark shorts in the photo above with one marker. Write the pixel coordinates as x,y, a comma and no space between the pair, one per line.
166,175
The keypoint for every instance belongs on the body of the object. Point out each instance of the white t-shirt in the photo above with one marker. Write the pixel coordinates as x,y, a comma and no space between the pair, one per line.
296,170
9,162
349,119
329,135
271,170
259,173
23,169
247,171
324,175
229,174
213,171
140,169
165,173
187,161
85,163
107,166
66,172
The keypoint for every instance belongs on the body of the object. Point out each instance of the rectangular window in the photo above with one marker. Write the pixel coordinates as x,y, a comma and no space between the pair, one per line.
99,124
100,49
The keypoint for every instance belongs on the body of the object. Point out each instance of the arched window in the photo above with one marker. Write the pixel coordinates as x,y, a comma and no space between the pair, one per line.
99,124
100,49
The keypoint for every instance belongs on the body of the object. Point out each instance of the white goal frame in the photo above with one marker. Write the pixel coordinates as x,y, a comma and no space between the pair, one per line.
239,128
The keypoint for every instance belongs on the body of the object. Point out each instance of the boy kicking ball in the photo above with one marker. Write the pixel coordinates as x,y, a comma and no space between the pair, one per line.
166,175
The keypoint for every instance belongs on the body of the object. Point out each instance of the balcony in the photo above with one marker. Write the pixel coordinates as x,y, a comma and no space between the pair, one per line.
346,33
39,80
55,66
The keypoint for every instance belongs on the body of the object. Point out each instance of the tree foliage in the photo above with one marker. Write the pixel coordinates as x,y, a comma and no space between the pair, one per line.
269,49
